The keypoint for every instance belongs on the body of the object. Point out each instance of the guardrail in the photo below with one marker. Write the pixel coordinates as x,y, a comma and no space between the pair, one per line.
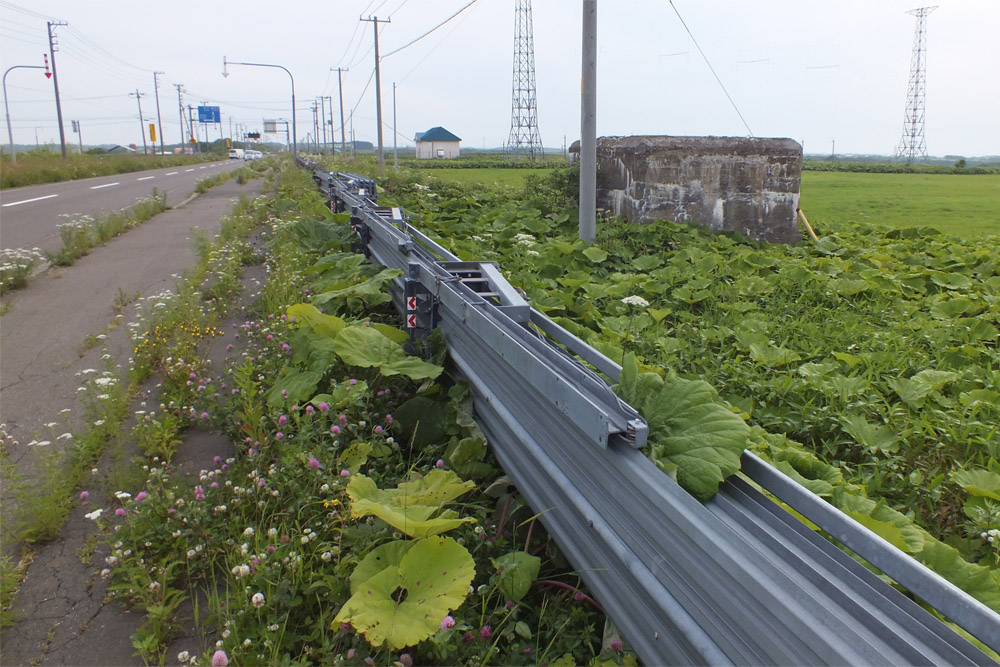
737,580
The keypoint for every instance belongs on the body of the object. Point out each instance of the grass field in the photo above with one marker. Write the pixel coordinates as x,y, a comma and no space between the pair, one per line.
514,177
965,206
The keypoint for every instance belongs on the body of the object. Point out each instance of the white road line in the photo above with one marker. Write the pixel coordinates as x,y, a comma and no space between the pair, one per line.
187,170
201,167
145,178
172,173
28,201
106,185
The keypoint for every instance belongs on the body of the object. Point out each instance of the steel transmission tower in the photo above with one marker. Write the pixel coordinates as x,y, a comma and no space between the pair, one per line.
912,144
524,137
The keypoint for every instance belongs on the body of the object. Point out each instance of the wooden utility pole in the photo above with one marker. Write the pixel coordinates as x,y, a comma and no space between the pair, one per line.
374,20
142,128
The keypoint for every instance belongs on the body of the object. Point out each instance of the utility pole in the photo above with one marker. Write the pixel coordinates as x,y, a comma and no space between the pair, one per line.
330,107
142,128
374,20
588,125
180,110
340,87
55,82
159,121
315,109
322,115
395,152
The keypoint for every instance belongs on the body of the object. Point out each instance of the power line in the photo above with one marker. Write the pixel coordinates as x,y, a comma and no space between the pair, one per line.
712,69
433,49
409,44
22,10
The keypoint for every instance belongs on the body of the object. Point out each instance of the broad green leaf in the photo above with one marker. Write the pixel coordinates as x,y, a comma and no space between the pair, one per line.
935,379
691,429
409,506
366,347
342,395
647,262
403,606
976,580
384,556
984,483
355,456
913,538
869,435
298,385
911,392
951,308
595,254
392,333
887,531
817,486
849,359
517,572
658,314
771,356
411,367
324,325
950,280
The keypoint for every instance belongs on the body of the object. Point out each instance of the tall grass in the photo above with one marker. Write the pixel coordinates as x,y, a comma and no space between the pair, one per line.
81,233
42,166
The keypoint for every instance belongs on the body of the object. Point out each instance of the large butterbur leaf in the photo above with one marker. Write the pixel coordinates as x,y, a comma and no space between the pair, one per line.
294,386
410,507
403,605
368,347
325,325
517,571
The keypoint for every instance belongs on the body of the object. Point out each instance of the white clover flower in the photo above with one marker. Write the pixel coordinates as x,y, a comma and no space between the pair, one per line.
122,495
248,532
635,300
327,556
257,600
95,515
183,656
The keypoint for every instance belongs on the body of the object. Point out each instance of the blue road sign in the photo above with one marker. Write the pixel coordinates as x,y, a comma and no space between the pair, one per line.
209,115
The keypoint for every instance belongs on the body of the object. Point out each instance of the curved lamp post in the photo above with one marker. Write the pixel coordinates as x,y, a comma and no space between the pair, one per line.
10,132
226,63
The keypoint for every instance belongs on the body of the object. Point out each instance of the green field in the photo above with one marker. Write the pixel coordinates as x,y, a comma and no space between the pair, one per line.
962,205
514,177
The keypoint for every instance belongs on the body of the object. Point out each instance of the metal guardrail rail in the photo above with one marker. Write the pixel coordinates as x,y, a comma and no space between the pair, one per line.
737,580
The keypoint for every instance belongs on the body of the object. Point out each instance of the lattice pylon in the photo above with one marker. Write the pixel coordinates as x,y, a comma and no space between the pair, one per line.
913,144
524,137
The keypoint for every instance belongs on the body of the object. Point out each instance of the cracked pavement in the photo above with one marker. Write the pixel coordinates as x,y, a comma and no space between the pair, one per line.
63,617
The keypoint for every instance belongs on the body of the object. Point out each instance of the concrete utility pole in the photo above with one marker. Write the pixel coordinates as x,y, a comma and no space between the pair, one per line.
180,109
340,87
330,107
322,116
588,125
142,128
315,110
55,82
395,152
374,20
159,122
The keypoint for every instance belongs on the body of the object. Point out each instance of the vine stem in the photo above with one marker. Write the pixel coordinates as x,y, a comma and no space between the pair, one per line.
559,584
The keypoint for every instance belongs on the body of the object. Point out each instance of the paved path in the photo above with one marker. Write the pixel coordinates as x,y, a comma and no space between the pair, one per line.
61,602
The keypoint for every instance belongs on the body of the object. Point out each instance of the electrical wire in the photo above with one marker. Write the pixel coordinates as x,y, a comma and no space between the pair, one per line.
433,49
22,10
409,44
698,46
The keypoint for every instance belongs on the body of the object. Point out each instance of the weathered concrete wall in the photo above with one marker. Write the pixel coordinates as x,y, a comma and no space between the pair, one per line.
750,186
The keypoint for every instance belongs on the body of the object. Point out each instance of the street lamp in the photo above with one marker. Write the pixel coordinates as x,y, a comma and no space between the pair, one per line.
295,141
10,132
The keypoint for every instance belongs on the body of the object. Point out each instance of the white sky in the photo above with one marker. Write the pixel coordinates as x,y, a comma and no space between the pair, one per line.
813,70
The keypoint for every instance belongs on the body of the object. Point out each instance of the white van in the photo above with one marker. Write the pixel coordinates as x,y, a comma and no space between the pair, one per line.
235,153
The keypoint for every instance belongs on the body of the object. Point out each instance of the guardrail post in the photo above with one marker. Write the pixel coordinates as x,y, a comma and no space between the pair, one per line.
418,305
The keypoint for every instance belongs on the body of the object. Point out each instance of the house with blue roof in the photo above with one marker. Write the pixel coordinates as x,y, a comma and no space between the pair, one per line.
437,142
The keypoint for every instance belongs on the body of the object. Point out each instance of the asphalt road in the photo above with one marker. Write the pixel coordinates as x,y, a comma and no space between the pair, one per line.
29,216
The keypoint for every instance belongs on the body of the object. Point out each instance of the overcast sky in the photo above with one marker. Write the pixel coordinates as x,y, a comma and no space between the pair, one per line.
816,71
